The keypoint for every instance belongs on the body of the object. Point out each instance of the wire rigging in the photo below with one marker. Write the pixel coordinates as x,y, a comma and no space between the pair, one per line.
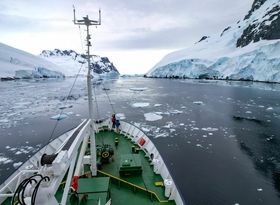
69,93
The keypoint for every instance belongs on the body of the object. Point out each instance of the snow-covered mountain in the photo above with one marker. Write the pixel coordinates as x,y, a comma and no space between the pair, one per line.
246,50
71,62
15,63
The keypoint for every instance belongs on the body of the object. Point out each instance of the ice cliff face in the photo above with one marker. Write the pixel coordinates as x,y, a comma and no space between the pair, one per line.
71,62
247,50
15,63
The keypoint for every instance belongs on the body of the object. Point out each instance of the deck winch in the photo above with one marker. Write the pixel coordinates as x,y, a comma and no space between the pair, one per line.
106,153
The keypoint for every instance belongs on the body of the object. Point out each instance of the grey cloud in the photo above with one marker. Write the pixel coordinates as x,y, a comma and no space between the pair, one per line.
134,24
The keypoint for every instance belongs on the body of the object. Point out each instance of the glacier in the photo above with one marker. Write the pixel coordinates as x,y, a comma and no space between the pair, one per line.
15,63
222,57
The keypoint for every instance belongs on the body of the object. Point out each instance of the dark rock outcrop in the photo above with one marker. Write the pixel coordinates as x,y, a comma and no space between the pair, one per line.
265,28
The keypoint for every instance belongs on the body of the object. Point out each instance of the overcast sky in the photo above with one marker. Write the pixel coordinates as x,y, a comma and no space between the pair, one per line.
135,34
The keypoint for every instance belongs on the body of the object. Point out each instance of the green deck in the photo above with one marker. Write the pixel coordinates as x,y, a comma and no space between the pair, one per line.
144,183
136,189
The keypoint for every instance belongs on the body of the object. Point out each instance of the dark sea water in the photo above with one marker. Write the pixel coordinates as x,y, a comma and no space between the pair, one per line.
220,140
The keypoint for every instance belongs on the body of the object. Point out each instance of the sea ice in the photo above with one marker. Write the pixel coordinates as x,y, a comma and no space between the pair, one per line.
161,135
169,125
140,104
145,129
157,105
121,116
198,102
176,112
269,108
172,130
152,116
4,121
210,129
59,117
5,160
17,164
138,89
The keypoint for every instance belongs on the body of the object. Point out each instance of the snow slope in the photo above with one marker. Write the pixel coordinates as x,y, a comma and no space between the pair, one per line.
20,64
71,62
247,50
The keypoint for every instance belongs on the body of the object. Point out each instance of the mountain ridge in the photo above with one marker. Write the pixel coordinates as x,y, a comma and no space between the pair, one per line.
71,62
221,57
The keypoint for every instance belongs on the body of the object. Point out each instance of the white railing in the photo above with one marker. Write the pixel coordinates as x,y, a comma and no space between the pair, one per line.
32,165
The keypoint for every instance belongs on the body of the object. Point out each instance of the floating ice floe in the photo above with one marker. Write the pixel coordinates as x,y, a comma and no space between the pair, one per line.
169,125
66,106
269,108
121,116
198,145
157,105
198,102
210,129
161,135
145,129
259,189
4,121
176,112
152,116
172,130
248,112
5,160
162,113
59,117
140,104
17,164
138,89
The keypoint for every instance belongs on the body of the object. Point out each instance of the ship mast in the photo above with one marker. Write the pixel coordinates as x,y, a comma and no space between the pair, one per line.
88,22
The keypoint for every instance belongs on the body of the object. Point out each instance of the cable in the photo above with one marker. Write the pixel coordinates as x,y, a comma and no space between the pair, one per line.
109,99
97,108
21,189
61,112
52,133
34,194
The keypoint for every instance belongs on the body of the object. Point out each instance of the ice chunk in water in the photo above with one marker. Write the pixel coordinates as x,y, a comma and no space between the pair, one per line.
152,116
59,117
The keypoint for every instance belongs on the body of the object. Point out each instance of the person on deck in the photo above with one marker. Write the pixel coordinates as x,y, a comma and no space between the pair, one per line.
113,121
118,124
